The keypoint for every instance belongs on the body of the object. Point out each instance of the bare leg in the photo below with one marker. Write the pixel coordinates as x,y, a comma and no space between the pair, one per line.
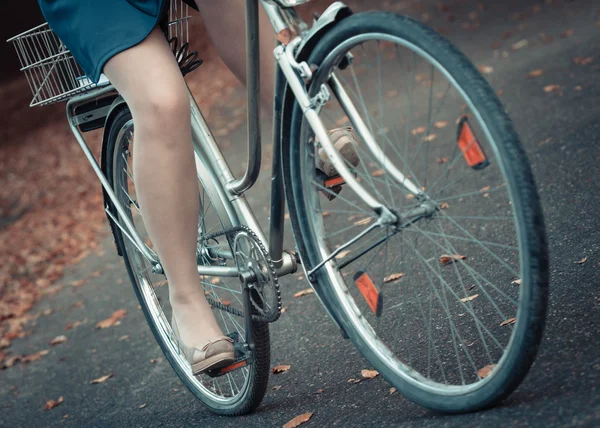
224,20
148,77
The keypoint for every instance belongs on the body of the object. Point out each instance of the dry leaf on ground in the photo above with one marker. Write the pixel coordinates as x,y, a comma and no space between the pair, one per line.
141,406
516,282
113,320
75,324
393,277
102,379
58,340
298,420
485,371
509,321
519,45
378,173
34,357
442,160
342,254
582,261
535,73
304,292
567,33
419,130
319,391
444,205
369,374
583,60
79,282
51,404
446,259
551,88
364,221
485,189
470,298
276,388
393,391
485,69
441,124
280,368
430,137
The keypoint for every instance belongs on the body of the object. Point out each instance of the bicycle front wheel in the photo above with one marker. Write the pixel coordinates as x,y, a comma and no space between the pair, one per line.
449,305
239,391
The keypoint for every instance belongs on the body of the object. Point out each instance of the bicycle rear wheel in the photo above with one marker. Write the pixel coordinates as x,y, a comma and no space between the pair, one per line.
240,391
450,307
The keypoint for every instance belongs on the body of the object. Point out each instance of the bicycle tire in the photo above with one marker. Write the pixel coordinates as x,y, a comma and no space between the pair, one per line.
256,387
528,333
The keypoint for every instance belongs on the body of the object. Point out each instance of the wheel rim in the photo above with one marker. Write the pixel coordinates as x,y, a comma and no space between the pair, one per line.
153,288
433,374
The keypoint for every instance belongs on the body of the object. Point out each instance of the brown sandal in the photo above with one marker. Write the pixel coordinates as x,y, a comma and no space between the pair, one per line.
215,354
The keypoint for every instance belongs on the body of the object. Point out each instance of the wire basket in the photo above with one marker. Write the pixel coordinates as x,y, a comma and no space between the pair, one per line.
51,70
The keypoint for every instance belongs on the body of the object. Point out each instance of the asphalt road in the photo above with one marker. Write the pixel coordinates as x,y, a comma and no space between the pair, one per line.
560,133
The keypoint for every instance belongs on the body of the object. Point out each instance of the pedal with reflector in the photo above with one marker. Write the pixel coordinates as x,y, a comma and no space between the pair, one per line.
242,358
470,146
369,291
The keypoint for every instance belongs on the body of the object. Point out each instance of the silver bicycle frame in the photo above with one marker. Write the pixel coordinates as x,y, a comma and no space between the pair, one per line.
231,190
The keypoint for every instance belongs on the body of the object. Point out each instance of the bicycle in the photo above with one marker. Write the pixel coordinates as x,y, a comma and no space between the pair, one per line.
439,223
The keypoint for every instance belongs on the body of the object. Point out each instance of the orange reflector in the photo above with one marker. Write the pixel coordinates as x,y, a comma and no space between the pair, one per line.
334,181
470,146
232,367
369,292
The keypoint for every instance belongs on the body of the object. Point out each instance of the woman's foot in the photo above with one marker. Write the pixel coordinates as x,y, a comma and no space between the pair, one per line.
199,336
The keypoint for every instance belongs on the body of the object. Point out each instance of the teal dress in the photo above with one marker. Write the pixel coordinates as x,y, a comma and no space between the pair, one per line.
96,30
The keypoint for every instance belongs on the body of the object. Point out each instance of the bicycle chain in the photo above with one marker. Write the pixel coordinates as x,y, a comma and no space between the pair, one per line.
256,317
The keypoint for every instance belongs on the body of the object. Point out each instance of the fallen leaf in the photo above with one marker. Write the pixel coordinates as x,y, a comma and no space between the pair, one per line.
226,302
58,340
516,282
551,88
141,406
102,379
325,214
298,420
519,45
577,88
378,173
444,205
276,388
154,360
535,73
363,222
75,324
369,374
124,337
509,321
95,274
342,254
441,124
446,259
583,60
430,137
215,280
582,261
470,298
485,371
410,196
284,309
304,292
51,404
280,368
544,142
393,277
355,380
79,282
419,130
113,320
393,391
442,160
34,357
319,391
485,189
567,33
485,69
391,93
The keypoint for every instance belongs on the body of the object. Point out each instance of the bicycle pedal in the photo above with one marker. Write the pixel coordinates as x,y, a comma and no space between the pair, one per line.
243,357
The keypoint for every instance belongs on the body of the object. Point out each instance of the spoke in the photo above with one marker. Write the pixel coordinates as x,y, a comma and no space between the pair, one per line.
460,238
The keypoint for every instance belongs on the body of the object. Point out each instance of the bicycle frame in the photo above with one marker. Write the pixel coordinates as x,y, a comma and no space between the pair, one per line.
288,72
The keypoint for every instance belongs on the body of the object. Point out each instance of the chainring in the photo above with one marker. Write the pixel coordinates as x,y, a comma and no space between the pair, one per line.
257,258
